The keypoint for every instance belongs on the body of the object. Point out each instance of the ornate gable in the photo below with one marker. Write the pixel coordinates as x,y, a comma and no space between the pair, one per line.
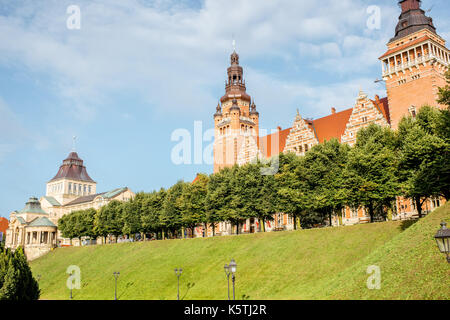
301,137
364,113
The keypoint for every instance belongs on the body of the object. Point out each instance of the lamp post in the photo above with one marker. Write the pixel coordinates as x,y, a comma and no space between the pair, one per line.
116,275
178,273
227,272
443,240
71,285
233,266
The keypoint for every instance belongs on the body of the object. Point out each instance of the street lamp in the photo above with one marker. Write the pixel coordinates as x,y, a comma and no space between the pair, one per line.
71,284
227,272
232,267
178,273
116,275
443,240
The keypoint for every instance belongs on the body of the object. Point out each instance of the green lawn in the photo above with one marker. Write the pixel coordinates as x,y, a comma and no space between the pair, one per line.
325,263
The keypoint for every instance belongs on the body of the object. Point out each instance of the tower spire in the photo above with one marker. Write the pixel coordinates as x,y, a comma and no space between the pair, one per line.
74,138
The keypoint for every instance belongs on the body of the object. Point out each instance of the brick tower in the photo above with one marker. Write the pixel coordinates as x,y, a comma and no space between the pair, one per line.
235,121
415,63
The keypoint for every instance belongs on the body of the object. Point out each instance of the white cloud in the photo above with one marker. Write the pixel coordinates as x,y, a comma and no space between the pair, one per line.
172,56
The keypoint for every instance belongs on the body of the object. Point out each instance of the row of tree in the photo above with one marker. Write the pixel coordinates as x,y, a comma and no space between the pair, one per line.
413,162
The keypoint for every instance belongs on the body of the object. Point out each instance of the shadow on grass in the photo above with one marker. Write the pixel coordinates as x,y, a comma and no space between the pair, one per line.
407,223
128,285
189,287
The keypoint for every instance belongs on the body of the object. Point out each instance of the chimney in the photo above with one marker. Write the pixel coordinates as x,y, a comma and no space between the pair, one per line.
333,110
279,128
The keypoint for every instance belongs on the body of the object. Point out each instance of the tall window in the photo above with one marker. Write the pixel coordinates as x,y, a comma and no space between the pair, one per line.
70,187
89,189
84,189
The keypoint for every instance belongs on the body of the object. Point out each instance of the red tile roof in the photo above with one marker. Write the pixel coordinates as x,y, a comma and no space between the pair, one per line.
269,147
383,107
3,225
406,45
332,126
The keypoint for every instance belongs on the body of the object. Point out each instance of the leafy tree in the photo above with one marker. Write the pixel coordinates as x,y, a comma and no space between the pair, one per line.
218,196
254,193
65,225
290,189
88,218
108,220
322,170
16,280
370,177
425,155
152,207
170,216
131,215
444,93
193,203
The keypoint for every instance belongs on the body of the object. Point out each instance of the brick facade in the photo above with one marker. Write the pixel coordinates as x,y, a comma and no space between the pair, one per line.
413,69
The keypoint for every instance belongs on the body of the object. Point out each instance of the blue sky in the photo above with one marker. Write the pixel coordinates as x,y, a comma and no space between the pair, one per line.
138,69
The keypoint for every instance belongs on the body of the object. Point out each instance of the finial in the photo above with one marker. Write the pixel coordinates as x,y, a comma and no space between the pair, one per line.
74,138
298,112
233,42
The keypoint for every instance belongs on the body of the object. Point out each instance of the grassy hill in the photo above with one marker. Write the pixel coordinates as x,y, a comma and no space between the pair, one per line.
325,263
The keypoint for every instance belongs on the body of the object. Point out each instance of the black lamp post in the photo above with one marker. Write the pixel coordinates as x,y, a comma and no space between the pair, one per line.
443,240
71,284
227,272
232,267
116,275
178,273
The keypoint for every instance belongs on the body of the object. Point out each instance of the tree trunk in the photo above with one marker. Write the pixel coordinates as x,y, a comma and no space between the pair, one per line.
418,206
295,221
370,207
329,217
213,225
205,234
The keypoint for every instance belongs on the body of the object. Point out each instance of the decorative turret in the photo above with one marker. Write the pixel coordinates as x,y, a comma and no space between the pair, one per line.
33,206
235,84
412,19
235,106
218,111
253,109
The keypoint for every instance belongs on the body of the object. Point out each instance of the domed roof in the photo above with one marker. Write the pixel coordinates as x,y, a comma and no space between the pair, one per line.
33,206
72,168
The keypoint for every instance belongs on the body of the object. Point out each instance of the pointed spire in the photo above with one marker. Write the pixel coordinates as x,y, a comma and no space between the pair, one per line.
361,94
218,110
74,138
298,116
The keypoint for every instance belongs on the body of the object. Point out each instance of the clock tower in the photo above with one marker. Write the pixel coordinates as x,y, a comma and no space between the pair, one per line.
236,121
